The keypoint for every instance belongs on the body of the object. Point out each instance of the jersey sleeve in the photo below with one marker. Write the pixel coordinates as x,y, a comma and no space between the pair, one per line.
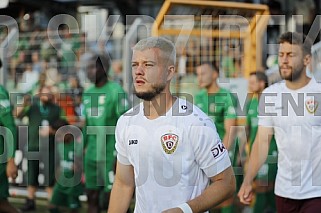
266,108
121,147
210,153
7,121
230,106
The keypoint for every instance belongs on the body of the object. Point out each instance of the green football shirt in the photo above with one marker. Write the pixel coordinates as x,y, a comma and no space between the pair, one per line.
218,106
252,123
40,115
7,121
102,108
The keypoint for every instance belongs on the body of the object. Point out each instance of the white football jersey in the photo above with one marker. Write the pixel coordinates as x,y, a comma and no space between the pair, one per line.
173,156
295,116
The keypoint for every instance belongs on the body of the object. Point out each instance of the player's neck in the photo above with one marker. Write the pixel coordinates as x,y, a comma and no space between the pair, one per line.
213,88
101,82
299,83
258,95
159,106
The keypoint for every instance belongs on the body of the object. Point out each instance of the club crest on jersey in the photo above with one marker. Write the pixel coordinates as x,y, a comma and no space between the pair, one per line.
169,142
311,105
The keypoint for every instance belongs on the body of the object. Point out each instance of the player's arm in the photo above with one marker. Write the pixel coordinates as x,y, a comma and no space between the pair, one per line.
229,121
212,158
224,183
123,189
230,132
258,156
23,110
6,119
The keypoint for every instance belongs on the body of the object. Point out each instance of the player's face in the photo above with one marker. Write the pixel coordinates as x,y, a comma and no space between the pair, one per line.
94,73
91,71
204,76
291,61
45,95
254,85
150,74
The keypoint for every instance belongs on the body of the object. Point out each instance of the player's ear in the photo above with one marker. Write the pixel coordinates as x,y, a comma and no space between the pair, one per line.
262,84
307,59
215,74
171,72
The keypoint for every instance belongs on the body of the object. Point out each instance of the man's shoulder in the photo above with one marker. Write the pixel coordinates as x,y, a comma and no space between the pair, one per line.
275,88
224,90
54,106
131,114
90,89
317,84
3,93
193,114
201,93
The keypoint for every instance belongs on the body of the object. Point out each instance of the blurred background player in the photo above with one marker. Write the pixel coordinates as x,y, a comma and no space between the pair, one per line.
7,151
264,182
68,187
219,104
42,112
104,102
296,129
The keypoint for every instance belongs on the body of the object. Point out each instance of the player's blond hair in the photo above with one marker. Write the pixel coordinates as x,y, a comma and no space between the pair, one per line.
166,46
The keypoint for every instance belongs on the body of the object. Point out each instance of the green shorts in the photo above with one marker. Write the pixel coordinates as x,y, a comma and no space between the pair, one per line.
4,185
99,174
61,199
267,172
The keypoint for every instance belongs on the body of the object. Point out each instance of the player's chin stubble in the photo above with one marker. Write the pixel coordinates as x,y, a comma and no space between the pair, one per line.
149,95
295,74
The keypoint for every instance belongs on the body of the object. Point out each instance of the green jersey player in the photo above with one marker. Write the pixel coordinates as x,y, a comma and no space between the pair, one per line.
219,104
265,178
104,103
7,149
42,112
68,187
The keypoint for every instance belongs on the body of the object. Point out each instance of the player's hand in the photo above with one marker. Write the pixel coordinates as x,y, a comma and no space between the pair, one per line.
173,210
12,170
44,131
246,193
26,101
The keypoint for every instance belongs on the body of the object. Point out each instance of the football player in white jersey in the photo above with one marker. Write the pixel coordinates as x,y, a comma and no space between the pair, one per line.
291,111
168,150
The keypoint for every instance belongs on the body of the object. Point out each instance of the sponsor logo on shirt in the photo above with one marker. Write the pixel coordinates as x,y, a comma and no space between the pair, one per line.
184,107
218,150
102,99
212,107
132,142
169,143
311,105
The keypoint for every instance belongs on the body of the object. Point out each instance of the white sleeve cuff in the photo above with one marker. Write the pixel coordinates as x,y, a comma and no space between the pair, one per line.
185,208
123,160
